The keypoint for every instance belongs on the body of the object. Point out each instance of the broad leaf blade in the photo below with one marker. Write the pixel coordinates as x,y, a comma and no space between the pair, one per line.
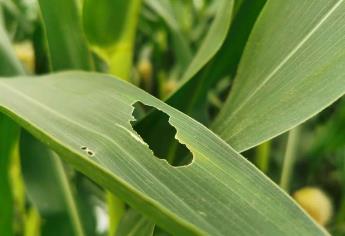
292,68
220,193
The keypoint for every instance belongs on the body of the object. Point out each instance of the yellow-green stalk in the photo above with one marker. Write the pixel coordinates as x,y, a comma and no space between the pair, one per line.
289,158
263,156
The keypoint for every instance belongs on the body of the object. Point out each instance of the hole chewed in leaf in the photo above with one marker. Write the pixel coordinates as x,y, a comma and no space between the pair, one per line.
159,134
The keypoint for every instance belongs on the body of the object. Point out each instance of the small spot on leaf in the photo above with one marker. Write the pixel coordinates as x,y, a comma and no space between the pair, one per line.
87,150
154,128
90,153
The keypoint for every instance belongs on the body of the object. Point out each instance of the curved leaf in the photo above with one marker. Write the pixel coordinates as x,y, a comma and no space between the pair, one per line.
220,193
292,68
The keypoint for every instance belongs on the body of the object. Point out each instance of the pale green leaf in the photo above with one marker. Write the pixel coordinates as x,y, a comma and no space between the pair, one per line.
220,193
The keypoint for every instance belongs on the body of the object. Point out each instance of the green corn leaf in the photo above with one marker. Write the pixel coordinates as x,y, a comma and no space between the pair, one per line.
292,68
87,122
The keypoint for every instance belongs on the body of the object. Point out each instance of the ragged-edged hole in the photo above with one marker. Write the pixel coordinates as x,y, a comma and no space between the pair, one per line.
159,134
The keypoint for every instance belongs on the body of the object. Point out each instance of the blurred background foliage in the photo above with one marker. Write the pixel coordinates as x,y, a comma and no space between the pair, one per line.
168,34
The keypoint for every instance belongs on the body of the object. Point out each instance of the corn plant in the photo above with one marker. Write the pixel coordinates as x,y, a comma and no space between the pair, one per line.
172,117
